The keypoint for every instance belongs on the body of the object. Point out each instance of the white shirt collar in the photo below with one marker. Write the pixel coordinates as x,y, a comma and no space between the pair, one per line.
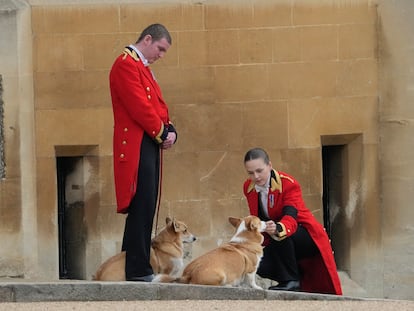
263,189
141,56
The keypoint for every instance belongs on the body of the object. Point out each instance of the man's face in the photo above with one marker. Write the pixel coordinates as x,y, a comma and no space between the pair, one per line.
258,171
153,50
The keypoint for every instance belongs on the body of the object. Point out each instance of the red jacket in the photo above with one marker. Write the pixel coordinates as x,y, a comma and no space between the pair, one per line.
319,272
138,107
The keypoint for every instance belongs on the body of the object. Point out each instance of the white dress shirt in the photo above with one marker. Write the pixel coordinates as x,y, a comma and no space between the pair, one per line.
263,193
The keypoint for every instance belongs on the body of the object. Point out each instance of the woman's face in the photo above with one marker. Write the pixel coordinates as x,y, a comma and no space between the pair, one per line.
258,171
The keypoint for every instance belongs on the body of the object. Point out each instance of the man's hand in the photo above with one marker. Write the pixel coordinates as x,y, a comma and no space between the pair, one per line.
167,144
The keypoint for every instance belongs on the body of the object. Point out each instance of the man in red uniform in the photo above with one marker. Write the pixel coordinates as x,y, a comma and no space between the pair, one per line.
297,252
142,128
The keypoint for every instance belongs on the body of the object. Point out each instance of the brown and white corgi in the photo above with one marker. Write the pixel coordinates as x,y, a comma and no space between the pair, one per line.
234,263
166,253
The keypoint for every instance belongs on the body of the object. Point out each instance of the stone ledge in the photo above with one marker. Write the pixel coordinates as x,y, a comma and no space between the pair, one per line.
130,291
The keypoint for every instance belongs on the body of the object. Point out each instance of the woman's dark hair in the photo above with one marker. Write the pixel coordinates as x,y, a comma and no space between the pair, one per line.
256,153
157,32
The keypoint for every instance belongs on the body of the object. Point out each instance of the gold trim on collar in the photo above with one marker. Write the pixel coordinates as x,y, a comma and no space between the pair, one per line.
275,181
132,53
251,186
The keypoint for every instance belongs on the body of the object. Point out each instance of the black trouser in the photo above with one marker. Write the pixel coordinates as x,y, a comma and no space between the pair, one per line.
141,211
280,258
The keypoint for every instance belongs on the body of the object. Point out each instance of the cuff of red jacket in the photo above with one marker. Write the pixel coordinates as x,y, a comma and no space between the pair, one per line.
281,232
162,135
171,128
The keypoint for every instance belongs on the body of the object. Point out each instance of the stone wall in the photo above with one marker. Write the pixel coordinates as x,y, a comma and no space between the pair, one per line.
18,254
2,139
397,153
239,74
291,76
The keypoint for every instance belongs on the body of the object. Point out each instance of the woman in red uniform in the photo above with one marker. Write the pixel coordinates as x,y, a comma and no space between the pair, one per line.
142,128
297,252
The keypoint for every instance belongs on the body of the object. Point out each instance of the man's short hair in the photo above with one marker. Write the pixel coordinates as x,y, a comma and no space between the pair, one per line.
157,32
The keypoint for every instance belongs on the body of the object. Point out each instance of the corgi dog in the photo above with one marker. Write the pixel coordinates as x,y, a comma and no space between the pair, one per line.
234,263
166,253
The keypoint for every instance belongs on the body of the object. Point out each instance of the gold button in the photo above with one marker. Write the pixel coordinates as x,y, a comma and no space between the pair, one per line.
148,89
126,129
124,142
149,96
122,156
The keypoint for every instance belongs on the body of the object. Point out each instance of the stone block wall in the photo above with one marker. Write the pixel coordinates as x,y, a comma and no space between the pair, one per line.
396,153
279,74
290,76
17,183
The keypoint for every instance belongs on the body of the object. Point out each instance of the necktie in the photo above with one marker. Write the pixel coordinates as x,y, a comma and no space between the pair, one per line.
263,206
263,199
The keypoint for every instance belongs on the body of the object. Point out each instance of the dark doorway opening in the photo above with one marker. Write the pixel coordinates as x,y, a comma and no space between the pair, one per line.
342,174
335,193
70,217
332,184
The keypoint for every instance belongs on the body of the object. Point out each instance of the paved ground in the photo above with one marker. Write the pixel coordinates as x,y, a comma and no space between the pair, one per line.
227,305
111,296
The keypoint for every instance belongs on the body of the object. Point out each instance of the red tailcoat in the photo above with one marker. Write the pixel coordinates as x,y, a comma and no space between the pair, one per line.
138,107
319,272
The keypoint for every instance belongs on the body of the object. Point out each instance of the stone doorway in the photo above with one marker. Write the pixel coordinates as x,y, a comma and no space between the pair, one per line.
341,164
71,212
77,173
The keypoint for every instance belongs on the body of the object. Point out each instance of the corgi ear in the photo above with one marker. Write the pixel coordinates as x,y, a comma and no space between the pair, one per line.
179,226
253,225
168,220
235,222
176,225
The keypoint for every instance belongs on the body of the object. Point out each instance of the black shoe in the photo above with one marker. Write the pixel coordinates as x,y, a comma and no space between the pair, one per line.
293,286
145,278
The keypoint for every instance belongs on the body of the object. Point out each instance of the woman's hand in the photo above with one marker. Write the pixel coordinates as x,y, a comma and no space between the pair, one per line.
270,227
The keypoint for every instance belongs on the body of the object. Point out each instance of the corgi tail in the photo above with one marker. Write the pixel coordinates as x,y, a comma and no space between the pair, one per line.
166,278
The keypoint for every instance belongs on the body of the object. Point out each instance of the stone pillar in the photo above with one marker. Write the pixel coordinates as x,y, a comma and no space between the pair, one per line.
396,145
18,194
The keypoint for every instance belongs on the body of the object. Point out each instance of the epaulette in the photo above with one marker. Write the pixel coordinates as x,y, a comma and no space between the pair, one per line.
131,53
287,177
